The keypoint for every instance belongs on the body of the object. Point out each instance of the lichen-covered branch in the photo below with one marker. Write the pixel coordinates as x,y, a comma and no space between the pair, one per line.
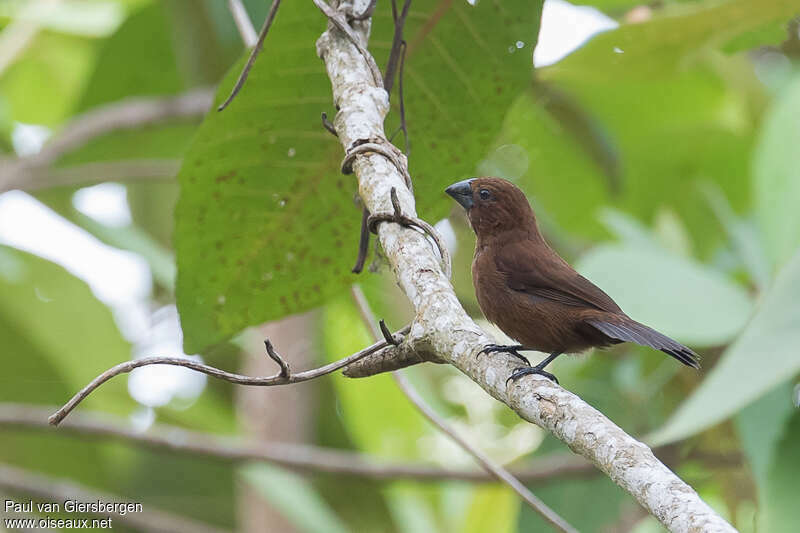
442,327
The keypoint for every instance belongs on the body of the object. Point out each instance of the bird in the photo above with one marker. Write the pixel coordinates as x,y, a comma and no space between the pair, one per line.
532,294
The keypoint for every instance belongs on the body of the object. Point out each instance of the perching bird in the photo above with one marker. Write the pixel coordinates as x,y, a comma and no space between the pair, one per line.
531,293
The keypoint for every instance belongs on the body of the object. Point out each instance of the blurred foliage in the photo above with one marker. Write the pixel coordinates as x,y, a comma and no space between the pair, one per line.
660,157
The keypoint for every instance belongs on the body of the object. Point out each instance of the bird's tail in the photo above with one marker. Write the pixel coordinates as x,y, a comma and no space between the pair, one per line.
629,330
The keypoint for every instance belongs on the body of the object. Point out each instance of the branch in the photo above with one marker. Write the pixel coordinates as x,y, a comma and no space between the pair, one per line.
243,23
100,171
59,490
490,466
282,378
240,81
442,326
130,113
300,458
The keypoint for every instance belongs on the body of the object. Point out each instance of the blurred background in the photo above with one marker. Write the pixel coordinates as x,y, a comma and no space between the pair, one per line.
657,141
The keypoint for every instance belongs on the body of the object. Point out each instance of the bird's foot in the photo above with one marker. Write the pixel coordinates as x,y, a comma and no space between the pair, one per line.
512,349
525,370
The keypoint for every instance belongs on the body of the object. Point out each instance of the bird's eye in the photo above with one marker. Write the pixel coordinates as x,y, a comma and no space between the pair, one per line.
485,194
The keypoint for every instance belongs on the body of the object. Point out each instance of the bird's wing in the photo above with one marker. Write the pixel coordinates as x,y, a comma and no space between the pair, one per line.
547,276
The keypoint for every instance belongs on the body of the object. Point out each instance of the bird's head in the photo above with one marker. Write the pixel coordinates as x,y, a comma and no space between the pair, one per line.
493,205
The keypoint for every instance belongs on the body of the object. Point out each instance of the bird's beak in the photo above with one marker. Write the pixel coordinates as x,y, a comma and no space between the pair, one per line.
461,193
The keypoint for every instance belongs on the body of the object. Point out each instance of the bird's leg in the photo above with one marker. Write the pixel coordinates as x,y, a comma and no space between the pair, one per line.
513,349
538,369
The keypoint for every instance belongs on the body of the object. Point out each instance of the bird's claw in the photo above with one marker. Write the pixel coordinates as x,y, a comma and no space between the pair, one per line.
525,370
494,348
491,348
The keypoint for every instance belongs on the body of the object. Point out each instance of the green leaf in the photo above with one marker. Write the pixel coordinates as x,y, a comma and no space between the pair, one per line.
294,497
411,510
771,33
41,87
137,60
776,176
643,46
39,306
492,509
743,237
675,295
760,426
764,356
660,90
591,505
627,229
574,184
778,509
266,226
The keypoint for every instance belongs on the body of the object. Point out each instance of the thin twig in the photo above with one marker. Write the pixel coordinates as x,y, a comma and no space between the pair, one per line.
398,53
35,179
285,372
59,490
243,23
397,40
130,113
273,10
328,125
214,372
403,123
363,243
399,218
297,457
382,147
487,463
495,469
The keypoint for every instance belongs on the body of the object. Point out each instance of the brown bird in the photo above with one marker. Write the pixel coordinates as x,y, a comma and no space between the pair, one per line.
531,293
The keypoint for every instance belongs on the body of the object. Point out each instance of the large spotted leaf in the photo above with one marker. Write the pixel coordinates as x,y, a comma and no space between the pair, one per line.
266,225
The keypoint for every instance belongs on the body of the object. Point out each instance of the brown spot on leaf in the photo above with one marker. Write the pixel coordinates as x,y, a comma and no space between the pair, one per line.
225,177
